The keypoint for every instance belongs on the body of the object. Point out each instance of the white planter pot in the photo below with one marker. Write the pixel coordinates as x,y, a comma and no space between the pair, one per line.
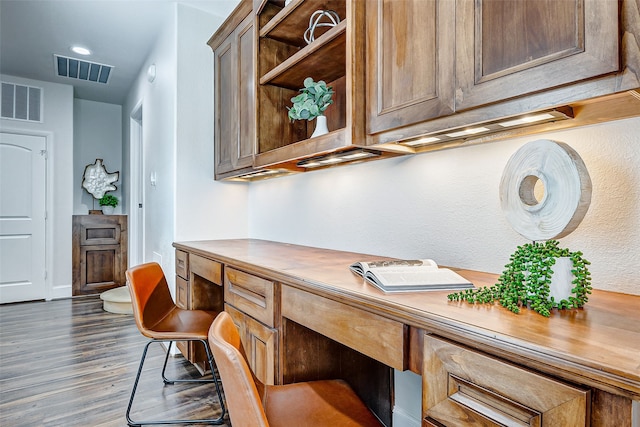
108,210
321,126
560,287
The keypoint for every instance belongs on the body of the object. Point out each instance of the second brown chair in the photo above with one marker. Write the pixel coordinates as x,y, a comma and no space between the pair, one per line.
250,403
159,319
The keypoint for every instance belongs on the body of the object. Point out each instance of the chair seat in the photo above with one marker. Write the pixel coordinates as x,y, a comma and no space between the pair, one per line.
181,324
316,403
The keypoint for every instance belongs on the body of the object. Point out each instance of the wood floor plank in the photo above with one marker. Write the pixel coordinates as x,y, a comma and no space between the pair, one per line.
69,363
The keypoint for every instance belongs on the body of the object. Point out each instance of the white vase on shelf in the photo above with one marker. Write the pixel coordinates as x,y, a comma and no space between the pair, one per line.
321,126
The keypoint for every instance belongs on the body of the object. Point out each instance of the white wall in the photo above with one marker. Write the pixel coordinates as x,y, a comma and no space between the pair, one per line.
97,128
177,117
159,127
57,127
205,209
445,205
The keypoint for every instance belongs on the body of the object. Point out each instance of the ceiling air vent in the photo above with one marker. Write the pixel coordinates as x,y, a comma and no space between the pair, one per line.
21,102
82,70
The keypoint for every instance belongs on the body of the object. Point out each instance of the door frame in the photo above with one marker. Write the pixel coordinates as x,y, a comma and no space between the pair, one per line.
49,145
136,189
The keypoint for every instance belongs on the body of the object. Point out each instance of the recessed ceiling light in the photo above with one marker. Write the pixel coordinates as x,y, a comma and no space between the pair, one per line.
80,50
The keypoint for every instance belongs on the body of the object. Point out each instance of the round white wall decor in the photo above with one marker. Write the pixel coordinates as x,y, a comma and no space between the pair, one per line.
545,190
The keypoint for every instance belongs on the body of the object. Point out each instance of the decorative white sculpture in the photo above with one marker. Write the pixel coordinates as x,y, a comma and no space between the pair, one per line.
545,190
316,21
97,181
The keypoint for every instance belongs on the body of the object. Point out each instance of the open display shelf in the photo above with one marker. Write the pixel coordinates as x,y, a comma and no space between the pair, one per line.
284,61
326,56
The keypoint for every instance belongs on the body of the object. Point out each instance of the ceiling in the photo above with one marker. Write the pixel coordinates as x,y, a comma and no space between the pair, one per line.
120,33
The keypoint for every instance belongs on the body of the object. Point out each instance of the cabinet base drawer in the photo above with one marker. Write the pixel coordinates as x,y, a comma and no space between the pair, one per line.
182,264
251,294
463,387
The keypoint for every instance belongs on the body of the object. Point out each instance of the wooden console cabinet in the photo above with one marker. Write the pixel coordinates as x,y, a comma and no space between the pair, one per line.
303,315
99,253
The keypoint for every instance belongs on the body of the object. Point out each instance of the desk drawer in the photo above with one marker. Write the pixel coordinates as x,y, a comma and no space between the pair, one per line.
250,294
206,268
182,264
375,336
463,387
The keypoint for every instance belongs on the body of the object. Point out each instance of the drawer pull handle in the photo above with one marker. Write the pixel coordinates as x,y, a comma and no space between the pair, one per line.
496,408
253,297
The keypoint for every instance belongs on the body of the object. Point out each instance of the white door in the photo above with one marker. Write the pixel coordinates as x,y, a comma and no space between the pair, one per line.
22,217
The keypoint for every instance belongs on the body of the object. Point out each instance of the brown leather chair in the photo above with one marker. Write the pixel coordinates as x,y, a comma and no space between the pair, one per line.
328,403
158,318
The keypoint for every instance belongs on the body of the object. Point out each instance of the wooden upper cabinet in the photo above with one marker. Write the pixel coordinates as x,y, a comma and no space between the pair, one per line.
234,88
506,49
410,61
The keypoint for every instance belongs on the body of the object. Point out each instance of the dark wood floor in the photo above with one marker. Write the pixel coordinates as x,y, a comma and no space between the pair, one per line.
69,363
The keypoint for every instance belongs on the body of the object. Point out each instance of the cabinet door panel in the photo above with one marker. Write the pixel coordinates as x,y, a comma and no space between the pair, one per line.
246,94
182,293
226,123
507,49
101,268
259,343
410,65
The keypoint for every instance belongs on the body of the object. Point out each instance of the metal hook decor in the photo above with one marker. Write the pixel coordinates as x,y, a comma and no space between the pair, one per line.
314,22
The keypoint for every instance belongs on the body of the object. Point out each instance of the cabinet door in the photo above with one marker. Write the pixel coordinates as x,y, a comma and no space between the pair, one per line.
226,124
235,99
410,61
259,342
506,49
100,269
246,94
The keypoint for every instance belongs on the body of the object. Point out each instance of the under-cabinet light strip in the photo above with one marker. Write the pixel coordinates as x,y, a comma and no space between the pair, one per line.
560,113
337,158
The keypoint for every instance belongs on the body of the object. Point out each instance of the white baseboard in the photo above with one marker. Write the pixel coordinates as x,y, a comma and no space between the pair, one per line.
60,292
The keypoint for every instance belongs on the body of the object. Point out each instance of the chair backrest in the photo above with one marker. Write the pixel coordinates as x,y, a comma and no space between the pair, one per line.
150,296
240,389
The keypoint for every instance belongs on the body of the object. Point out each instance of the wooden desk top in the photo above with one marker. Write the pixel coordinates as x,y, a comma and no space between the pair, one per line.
598,345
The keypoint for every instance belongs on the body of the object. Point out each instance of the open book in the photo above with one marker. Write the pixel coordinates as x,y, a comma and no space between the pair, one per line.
409,275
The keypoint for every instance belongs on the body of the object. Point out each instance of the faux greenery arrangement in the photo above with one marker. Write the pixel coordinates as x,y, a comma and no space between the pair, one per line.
313,100
526,279
108,200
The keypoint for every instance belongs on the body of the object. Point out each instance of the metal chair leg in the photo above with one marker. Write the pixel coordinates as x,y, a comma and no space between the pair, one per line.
215,380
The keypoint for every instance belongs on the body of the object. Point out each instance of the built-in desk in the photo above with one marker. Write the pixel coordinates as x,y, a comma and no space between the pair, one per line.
303,315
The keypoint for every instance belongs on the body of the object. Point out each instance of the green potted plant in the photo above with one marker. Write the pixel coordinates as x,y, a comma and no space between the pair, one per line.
108,203
530,277
313,100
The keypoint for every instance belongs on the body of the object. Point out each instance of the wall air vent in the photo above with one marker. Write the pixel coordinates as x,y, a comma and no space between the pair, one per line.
82,70
21,102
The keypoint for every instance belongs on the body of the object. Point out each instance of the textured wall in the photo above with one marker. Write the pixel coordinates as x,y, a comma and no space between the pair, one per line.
446,205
